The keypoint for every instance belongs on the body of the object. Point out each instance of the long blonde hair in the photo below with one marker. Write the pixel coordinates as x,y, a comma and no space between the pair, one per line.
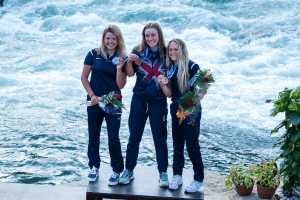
161,42
121,48
183,75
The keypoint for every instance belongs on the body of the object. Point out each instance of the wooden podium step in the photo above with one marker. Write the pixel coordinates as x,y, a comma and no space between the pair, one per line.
144,186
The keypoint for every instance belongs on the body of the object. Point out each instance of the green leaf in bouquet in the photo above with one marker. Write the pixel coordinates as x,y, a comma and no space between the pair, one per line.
111,99
199,79
118,103
191,95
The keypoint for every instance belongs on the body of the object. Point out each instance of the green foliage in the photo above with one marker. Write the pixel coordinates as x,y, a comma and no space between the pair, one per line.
266,173
111,98
199,79
192,96
239,176
289,103
203,80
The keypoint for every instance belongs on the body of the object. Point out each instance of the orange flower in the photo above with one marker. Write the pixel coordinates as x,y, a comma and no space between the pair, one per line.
180,115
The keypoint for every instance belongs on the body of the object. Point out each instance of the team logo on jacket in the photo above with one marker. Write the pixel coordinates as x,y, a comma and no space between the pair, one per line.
151,71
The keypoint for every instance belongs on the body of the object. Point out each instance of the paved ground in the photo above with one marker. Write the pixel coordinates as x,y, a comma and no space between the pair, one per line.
214,189
17,191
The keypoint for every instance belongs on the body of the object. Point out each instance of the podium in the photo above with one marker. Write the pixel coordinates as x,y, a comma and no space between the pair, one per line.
144,186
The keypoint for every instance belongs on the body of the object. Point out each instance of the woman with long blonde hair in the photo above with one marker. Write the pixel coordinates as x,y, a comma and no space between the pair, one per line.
179,72
105,63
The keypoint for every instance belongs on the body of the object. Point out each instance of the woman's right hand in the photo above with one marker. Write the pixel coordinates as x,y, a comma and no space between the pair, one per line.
132,57
94,100
159,80
187,113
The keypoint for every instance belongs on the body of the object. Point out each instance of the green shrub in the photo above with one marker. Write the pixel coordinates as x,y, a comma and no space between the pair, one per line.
289,103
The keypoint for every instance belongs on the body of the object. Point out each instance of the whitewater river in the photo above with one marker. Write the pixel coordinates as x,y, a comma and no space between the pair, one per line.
252,48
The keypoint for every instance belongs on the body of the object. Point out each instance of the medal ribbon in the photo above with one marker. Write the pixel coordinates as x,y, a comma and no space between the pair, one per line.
108,55
172,71
147,51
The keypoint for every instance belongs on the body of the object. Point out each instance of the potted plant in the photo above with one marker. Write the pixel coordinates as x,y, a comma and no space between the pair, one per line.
267,177
241,179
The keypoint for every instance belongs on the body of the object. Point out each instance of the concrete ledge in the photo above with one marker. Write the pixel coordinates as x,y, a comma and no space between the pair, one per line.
214,189
17,191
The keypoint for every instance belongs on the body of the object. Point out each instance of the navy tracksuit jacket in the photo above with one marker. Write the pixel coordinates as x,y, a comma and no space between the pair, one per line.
148,100
103,81
186,132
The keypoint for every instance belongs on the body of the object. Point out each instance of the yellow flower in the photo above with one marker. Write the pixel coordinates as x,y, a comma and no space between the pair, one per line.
180,115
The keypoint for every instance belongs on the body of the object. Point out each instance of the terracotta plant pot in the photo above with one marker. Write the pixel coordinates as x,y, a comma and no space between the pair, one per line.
242,190
265,192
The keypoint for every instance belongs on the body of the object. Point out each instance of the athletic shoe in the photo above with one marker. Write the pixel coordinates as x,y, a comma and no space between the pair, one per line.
176,181
93,174
194,186
126,177
114,179
163,180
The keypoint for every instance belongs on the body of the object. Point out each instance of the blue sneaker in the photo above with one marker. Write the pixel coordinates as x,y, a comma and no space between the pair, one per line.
114,179
163,180
93,174
126,177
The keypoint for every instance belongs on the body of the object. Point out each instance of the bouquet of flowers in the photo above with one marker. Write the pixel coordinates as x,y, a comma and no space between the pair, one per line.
202,79
110,103
190,101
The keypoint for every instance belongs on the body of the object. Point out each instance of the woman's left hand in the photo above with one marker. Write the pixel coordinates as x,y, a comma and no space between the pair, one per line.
187,113
120,64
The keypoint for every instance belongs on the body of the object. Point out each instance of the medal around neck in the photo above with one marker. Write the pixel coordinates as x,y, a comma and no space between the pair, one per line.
115,60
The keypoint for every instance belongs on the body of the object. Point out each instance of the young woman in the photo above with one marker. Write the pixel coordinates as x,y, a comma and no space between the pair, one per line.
180,70
105,78
147,62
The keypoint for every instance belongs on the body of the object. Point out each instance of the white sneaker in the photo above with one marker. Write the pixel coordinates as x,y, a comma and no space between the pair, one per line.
194,186
176,181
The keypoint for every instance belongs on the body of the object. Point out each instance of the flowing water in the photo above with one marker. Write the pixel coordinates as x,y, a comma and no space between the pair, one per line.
252,48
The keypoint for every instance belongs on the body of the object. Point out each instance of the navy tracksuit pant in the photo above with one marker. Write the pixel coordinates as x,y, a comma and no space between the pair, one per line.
188,133
157,113
95,119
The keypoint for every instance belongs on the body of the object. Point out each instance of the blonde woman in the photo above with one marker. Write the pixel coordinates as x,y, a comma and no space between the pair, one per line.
179,71
107,76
